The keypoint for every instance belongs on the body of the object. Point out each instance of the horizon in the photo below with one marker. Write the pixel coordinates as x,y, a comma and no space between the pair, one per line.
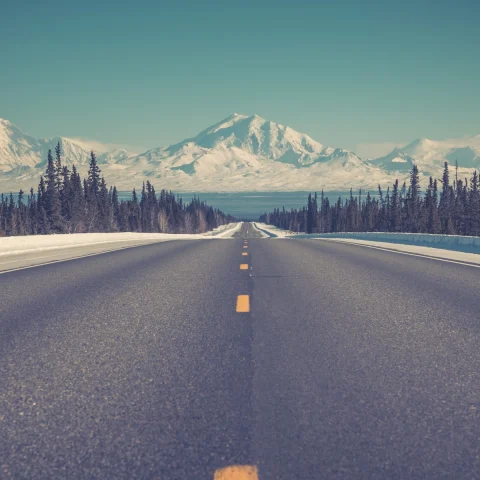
100,147
365,78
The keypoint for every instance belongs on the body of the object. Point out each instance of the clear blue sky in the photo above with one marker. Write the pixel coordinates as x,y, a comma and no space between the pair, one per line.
150,73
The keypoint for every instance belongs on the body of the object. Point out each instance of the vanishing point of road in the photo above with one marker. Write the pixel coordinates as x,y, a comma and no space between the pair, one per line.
241,359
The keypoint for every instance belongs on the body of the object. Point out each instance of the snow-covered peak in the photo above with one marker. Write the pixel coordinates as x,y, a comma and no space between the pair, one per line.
4,122
397,160
263,138
430,155
9,132
419,146
20,151
225,123
17,149
239,153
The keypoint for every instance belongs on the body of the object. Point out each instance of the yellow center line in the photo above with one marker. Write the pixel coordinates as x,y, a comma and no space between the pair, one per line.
244,254
244,266
245,246
243,304
237,472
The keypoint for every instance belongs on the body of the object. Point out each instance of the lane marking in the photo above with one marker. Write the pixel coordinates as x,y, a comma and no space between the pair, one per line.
245,246
386,249
243,304
244,266
75,258
244,254
237,472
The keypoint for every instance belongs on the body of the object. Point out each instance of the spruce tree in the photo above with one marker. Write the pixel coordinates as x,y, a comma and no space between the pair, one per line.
51,201
58,167
93,175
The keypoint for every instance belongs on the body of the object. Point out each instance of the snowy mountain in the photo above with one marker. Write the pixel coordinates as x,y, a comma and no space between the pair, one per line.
238,142
240,153
431,155
434,153
20,152
395,161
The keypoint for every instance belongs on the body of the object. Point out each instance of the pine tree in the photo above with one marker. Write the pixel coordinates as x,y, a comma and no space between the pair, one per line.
116,210
309,214
51,200
33,214
93,175
474,206
92,192
413,202
105,209
58,167
445,206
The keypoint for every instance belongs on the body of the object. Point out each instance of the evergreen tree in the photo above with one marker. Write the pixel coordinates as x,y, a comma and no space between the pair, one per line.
58,167
51,199
93,176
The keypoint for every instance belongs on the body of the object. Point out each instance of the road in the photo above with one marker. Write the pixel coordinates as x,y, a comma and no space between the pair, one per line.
351,363
34,258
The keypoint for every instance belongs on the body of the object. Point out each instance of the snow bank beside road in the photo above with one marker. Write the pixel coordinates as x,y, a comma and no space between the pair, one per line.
38,243
458,243
224,231
437,253
272,231
30,243
263,232
456,248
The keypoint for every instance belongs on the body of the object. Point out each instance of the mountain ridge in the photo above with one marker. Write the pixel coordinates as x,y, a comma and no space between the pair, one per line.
239,153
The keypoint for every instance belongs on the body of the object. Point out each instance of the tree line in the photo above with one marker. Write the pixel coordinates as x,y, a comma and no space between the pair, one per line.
446,207
66,203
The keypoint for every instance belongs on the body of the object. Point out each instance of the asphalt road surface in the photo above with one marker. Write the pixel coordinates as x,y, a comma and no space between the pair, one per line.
350,363
34,258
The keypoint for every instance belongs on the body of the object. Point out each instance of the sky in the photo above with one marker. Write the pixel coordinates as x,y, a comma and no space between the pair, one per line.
360,75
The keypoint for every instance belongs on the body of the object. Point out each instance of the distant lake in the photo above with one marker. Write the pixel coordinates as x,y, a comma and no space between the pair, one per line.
250,205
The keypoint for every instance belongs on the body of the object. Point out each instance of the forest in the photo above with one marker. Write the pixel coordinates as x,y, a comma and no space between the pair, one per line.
445,207
66,203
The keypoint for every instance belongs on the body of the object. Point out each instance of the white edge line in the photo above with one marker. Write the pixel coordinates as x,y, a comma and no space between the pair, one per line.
76,258
440,259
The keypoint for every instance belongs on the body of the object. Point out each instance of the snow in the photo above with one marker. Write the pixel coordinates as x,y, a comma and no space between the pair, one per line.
395,161
263,233
224,231
452,247
240,153
438,253
430,155
39,243
273,232
451,242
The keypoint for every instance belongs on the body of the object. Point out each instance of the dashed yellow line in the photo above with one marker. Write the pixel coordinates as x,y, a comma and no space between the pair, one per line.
244,266
243,304
244,254
245,246
237,472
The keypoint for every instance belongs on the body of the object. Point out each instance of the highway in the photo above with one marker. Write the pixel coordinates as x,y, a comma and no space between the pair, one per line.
343,362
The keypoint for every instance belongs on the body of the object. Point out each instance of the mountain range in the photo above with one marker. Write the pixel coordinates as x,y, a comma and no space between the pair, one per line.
240,153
